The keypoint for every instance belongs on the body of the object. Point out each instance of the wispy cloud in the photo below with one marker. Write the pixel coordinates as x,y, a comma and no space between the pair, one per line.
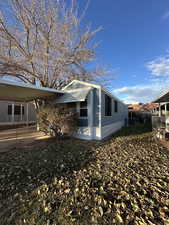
166,16
159,66
157,82
138,93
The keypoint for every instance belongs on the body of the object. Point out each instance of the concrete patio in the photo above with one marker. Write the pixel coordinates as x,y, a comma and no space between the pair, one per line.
19,138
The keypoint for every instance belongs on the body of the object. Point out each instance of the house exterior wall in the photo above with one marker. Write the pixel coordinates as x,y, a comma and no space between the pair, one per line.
120,115
97,125
6,119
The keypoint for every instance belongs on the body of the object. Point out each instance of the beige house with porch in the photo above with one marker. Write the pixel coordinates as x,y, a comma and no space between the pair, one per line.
16,113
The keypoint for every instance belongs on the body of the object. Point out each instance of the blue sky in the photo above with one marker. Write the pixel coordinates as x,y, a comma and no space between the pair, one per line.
135,42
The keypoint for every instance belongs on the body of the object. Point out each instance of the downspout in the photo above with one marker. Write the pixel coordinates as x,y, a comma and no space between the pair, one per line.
100,112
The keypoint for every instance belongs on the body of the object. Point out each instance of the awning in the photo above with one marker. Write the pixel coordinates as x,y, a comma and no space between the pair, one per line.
15,91
75,95
164,97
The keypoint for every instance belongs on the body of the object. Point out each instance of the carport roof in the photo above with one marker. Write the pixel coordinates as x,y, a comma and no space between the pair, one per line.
15,91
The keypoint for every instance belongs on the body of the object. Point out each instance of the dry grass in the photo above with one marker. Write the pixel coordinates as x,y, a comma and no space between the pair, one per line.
123,180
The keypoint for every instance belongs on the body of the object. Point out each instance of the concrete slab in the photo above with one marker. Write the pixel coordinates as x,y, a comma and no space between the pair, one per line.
19,137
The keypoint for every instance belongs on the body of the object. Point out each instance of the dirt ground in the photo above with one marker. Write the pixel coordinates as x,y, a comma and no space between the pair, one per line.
20,138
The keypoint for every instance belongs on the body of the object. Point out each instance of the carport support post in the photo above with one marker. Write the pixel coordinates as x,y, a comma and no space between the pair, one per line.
165,109
13,111
27,114
159,110
21,112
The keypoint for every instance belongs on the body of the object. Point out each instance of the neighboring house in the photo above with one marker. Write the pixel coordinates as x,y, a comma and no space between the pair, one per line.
160,113
140,112
16,113
99,112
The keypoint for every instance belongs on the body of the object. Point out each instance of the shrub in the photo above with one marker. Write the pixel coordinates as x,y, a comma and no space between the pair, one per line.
58,120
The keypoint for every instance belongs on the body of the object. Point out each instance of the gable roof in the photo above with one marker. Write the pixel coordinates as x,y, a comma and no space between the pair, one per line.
94,86
74,95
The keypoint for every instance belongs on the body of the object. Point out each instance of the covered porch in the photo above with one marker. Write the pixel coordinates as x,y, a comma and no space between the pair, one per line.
160,115
13,92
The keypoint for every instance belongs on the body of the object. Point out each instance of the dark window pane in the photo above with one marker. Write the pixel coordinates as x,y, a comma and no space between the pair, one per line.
115,106
17,110
83,112
9,109
108,106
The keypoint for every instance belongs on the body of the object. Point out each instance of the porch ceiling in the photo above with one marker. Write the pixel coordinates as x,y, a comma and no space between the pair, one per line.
15,91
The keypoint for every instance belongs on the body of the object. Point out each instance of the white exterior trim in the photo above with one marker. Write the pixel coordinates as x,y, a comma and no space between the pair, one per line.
86,133
13,108
90,112
81,82
100,112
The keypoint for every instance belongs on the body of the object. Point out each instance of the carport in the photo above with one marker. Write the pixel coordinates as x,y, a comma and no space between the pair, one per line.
21,92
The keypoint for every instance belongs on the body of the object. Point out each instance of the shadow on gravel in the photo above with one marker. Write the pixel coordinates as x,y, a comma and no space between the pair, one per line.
137,129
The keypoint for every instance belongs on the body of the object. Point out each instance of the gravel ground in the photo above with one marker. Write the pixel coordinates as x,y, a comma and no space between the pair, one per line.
123,180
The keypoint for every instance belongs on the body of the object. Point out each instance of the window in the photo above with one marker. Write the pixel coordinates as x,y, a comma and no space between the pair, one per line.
17,110
9,109
83,109
115,106
108,106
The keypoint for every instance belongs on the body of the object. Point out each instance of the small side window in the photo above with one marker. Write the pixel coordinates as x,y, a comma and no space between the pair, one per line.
108,106
83,109
115,106
9,109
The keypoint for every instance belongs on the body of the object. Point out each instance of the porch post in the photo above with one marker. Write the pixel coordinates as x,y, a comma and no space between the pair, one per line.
27,114
159,113
21,112
165,109
13,111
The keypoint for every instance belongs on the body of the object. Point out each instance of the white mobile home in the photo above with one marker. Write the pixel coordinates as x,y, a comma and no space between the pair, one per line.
99,112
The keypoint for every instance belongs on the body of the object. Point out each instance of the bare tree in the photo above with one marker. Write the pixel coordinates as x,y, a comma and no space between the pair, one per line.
46,44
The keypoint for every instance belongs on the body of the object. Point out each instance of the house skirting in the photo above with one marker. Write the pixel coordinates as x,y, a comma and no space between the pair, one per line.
96,133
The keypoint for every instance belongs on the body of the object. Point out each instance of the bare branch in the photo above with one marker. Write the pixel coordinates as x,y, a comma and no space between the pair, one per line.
47,43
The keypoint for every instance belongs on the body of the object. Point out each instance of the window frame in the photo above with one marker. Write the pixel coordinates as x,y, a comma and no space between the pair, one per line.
83,107
108,100
116,106
20,107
